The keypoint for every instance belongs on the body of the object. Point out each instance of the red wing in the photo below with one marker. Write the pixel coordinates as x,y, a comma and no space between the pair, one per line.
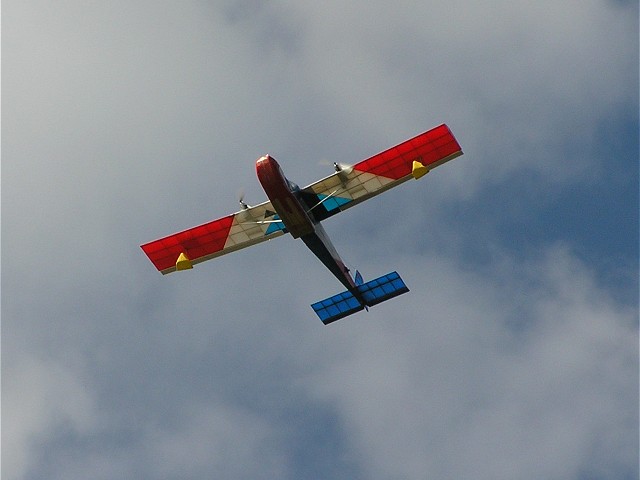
387,169
227,234
431,148
198,241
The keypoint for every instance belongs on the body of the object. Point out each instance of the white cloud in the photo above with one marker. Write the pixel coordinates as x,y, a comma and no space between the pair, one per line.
122,121
480,377
216,440
39,400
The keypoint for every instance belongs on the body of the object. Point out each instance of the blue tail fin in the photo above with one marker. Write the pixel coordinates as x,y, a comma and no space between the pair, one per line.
373,292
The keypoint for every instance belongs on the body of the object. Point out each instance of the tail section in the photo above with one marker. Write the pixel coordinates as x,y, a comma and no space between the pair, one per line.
373,292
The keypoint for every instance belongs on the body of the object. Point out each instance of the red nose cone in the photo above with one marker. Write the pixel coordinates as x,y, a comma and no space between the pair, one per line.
266,160
267,170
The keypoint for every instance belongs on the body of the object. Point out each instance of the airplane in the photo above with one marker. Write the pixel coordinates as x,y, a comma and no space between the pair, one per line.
300,211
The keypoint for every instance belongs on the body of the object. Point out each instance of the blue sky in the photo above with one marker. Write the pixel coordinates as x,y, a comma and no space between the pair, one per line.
515,355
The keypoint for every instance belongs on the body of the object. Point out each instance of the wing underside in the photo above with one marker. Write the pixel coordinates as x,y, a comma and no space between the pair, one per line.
324,198
227,234
387,169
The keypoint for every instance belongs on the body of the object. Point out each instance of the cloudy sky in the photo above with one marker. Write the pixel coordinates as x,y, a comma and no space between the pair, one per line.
514,356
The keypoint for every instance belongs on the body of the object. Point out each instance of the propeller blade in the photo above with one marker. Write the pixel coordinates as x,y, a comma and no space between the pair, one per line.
241,199
338,167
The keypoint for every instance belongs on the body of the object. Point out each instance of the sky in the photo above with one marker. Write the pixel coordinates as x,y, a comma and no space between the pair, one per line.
515,355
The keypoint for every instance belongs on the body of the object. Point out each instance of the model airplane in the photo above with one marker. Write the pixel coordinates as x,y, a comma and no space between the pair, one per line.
299,211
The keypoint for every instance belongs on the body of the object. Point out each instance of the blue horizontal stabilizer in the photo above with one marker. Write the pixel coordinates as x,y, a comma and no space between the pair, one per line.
337,307
373,292
382,288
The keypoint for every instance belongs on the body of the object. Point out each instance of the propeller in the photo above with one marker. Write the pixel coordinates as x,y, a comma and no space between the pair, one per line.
339,167
241,199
